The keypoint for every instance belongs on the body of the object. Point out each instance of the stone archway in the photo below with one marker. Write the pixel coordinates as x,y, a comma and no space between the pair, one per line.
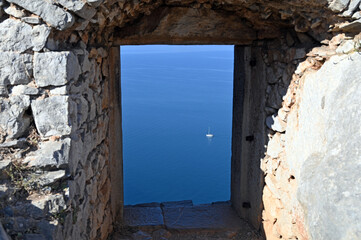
59,122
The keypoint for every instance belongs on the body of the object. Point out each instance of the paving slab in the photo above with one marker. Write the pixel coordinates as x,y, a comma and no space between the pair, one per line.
177,203
143,216
202,217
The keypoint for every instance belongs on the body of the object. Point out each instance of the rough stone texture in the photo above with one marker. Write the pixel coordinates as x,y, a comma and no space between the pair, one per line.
79,7
15,68
328,164
15,36
50,154
52,115
62,67
13,121
75,107
52,14
143,216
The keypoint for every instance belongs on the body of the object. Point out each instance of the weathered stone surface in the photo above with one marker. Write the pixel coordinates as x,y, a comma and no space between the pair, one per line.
14,11
52,115
52,14
13,144
275,123
338,5
207,216
79,7
140,235
50,154
62,67
354,4
15,68
31,20
94,3
13,122
274,147
177,203
353,27
24,90
39,36
325,153
18,36
143,216
51,177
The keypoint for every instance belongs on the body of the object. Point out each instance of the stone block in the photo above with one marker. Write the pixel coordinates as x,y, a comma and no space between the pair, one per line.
323,149
94,3
143,216
50,13
338,5
51,116
207,216
275,146
61,67
276,124
15,68
79,7
24,90
50,177
13,121
50,154
18,36
40,35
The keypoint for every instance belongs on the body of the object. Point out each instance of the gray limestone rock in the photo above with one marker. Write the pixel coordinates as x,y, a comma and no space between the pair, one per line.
14,143
18,36
14,11
275,123
40,36
79,7
50,154
31,20
94,3
51,177
52,116
15,68
338,5
50,13
354,4
15,36
326,150
24,90
353,27
12,119
61,67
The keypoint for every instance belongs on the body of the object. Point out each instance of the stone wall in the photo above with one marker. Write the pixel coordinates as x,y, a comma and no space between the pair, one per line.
60,133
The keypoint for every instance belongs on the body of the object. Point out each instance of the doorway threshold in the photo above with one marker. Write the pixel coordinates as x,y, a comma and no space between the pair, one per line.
183,220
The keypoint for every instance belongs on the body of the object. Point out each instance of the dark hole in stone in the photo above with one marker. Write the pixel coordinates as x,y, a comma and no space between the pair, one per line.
291,178
250,138
246,205
28,112
253,62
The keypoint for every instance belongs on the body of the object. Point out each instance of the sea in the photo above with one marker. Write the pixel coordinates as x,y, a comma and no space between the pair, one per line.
171,97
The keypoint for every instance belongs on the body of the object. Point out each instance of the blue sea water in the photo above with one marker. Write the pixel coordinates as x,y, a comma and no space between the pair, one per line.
171,95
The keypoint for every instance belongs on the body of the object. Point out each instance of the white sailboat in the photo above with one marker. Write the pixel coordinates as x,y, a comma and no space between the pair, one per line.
209,134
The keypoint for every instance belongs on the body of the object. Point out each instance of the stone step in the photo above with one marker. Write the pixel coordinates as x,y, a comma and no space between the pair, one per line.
183,220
